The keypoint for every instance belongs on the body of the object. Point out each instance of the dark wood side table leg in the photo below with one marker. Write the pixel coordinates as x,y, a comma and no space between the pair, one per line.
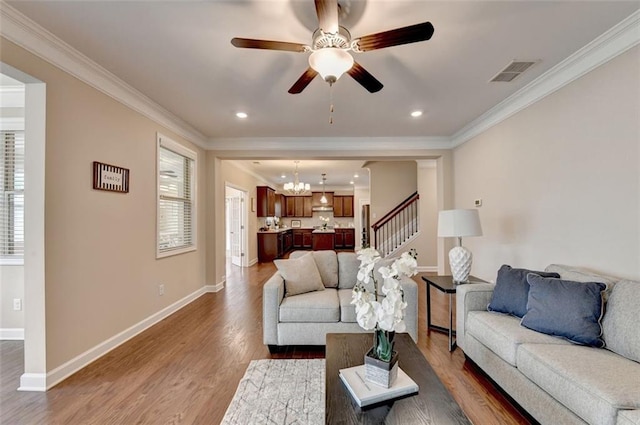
428,286
452,343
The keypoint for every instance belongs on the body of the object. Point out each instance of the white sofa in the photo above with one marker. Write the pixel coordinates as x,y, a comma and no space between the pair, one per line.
556,381
305,319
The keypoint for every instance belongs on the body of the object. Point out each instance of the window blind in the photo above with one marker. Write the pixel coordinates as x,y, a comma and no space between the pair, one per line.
175,199
12,195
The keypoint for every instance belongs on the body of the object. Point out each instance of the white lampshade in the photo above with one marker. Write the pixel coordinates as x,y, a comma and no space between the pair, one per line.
459,223
331,63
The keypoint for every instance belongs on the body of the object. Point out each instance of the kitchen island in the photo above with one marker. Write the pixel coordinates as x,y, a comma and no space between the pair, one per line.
322,239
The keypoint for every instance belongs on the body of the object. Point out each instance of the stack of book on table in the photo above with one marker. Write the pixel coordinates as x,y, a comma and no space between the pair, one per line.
366,393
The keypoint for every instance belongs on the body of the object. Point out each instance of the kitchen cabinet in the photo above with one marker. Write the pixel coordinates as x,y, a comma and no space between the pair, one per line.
307,207
316,196
291,206
301,238
343,206
296,206
266,201
281,206
307,240
323,241
345,238
274,244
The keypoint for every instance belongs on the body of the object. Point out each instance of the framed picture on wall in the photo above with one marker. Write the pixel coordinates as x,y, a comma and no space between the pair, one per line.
111,178
296,223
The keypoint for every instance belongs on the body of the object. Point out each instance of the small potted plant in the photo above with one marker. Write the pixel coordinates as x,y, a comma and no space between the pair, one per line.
381,308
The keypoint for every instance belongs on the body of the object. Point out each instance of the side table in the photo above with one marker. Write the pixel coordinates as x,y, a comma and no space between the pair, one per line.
446,285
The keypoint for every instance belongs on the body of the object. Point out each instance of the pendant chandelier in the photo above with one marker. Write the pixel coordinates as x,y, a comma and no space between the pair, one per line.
323,200
296,187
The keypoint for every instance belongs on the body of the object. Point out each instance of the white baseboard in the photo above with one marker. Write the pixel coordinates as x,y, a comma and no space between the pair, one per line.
11,334
427,269
33,382
253,262
72,366
214,288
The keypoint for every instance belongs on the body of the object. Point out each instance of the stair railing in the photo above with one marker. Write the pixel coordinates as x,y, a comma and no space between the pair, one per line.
397,226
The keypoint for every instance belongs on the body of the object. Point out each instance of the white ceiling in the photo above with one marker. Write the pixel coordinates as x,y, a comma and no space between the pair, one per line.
178,53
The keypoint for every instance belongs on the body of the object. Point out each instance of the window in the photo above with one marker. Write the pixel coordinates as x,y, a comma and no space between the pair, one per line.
12,197
176,198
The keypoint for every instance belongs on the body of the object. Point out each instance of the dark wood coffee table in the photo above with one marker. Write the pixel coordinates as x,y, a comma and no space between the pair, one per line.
432,405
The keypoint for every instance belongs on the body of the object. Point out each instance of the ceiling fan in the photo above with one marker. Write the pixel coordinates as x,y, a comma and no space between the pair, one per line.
331,44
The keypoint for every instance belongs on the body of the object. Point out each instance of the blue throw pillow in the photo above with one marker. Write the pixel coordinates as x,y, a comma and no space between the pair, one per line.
572,310
512,290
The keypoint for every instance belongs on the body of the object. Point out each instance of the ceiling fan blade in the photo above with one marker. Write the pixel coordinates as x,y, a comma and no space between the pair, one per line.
303,81
366,80
396,37
327,11
250,43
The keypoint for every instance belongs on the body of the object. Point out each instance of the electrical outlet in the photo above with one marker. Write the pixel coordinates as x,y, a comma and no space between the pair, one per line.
477,202
17,304
161,289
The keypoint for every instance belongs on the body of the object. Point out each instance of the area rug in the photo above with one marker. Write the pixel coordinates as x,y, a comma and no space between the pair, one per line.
279,392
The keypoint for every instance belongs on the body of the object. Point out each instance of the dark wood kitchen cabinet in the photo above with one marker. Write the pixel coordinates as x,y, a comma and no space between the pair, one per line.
266,201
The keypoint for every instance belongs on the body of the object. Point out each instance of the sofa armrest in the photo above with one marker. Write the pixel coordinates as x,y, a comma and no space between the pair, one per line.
410,289
471,297
272,296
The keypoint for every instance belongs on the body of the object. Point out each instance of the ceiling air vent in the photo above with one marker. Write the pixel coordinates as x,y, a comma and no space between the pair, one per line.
511,71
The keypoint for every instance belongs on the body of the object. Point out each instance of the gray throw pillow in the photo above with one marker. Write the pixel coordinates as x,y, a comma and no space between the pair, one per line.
512,290
565,308
300,275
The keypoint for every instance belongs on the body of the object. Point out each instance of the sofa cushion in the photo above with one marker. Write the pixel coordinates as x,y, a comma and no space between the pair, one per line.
620,323
512,289
347,270
327,263
578,274
503,334
318,307
591,382
628,417
565,308
300,275
347,310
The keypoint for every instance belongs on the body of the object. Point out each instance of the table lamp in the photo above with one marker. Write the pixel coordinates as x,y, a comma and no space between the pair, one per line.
456,224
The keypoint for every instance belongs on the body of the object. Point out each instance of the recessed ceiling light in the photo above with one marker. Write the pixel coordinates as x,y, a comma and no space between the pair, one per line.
283,176
355,176
320,182
351,182
241,115
416,114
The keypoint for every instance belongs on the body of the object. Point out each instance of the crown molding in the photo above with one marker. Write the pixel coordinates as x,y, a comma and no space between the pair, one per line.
328,143
607,46
26,33
29,35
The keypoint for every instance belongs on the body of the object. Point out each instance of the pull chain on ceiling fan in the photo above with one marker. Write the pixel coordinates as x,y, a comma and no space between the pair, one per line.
331,45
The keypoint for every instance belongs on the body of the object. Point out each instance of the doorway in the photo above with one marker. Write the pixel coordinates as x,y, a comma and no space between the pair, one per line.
34,377
235,225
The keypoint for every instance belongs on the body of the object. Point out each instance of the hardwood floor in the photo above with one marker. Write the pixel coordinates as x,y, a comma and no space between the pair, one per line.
185,369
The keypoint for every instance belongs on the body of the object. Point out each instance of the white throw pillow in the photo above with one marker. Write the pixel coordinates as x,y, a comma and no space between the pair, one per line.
300,275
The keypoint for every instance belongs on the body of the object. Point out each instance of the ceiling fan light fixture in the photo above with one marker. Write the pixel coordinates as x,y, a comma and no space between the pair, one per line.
331,63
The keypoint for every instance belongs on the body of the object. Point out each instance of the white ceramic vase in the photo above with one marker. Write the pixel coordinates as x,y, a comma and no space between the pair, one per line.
460,259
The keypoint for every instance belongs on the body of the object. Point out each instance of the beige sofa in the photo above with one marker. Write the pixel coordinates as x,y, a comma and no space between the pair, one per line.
305,319
556,381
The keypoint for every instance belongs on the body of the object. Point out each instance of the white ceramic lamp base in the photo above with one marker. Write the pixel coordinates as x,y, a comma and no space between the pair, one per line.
460,259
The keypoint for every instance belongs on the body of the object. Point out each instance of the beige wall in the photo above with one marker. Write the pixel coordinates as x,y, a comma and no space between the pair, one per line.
390,182
426,243
101,272
11,286
560,181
